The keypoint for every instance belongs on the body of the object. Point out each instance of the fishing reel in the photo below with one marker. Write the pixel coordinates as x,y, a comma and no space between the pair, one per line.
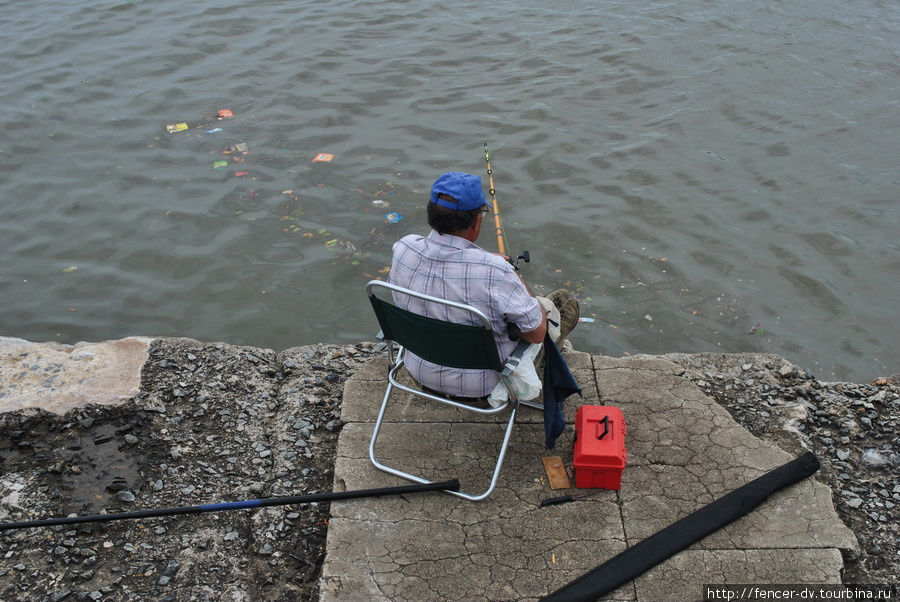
512,330
525,256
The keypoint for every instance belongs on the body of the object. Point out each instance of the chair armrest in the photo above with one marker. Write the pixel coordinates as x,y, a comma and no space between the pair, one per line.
515,357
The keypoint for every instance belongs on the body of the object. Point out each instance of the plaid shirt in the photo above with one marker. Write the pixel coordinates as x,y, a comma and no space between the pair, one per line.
453,268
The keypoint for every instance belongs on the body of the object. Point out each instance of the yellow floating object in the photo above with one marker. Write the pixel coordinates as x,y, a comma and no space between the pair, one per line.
176,127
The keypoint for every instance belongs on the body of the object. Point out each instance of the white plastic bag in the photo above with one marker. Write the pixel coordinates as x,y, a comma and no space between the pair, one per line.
524,380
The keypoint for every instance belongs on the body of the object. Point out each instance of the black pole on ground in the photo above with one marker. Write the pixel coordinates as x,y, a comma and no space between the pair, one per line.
692,528
328,496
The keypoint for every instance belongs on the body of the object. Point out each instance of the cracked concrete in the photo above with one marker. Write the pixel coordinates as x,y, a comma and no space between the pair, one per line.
684,451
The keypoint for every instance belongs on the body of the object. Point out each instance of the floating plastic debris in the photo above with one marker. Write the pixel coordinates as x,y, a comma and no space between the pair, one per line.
393,218
240,174
220,164
176,127
241,147
380,203
589,320
70,269
323,158
225,114
214,131
757,329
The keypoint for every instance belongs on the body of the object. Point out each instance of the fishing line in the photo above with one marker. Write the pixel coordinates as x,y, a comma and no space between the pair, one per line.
515,109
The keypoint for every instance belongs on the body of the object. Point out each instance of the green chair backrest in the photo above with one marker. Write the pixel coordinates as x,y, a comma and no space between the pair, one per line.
436,341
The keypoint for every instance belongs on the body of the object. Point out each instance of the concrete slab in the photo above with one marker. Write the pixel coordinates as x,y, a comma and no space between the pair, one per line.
684,451
802,516
683,576
58,378
433,546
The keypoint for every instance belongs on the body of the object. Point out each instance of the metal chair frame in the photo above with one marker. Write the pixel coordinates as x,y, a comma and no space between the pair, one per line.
396,354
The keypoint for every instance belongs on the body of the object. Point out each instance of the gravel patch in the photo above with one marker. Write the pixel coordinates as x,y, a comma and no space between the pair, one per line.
212,423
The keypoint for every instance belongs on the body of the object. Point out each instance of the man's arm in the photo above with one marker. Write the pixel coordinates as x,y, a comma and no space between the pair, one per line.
536,335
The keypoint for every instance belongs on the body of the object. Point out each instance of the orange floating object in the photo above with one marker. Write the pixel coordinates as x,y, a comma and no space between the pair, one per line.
238,174
323,157
225,114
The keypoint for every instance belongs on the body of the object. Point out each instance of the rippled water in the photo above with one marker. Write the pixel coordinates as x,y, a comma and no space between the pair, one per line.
706,176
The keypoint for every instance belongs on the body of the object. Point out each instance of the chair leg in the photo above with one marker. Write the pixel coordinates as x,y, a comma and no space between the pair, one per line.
416,479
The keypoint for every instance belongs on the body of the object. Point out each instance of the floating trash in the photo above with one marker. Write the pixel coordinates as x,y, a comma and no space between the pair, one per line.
340,246
393,218
588,320
70,269
240,174
323,158
240,148
214,131
380,203
176,127
220,164
225,114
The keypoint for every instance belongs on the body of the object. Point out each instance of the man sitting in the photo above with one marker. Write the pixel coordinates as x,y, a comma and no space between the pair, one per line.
448,264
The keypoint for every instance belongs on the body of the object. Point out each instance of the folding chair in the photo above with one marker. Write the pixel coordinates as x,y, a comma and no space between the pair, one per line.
447,344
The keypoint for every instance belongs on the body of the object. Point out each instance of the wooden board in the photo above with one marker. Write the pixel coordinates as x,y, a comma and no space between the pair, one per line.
556,472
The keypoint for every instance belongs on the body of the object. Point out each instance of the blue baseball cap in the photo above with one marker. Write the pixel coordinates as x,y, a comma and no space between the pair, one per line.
463,187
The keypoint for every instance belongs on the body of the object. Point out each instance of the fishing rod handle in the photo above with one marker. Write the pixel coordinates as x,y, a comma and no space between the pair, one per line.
552,501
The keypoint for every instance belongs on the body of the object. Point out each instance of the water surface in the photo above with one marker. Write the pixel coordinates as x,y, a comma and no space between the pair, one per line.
705,176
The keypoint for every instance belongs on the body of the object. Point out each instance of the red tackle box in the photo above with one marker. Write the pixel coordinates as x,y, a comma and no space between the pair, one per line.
599,447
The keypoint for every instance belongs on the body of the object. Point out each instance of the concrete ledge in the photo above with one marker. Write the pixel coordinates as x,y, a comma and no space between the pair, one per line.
684,451
57,377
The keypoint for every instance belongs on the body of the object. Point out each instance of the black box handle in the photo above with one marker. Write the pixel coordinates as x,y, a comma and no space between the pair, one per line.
605,423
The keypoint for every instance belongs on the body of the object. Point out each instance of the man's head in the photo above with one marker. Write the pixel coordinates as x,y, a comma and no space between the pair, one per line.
456,204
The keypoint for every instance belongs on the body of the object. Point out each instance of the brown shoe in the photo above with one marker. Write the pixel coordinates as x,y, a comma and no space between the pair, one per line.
568,318
559,296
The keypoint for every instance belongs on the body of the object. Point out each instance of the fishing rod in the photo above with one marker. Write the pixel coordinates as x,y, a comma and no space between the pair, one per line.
328,496
512,329
501,236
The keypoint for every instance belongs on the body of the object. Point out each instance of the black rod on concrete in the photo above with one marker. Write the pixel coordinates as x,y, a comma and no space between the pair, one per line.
679,535
328,496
